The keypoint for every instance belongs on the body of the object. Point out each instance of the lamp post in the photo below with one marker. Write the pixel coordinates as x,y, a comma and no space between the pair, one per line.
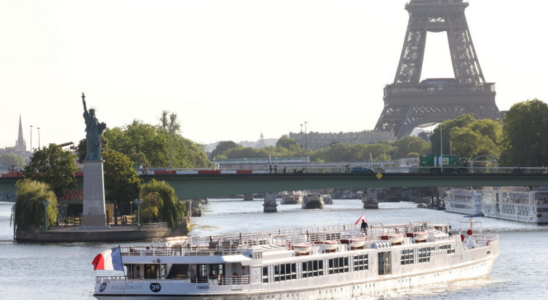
305,148
30,138
131,211
441,146
38,137
46,204
138,202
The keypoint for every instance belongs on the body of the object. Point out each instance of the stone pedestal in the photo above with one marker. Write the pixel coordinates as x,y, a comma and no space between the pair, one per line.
93,216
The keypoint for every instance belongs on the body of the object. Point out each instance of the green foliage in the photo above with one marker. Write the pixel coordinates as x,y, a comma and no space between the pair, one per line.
221,148
461,121
8,159
54,166
170,210
410,144
150,145
121,180
469,137
28,210
361,152
286,142
150,209
525,134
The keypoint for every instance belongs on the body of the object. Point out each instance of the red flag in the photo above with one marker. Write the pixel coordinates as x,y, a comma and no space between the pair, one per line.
360,219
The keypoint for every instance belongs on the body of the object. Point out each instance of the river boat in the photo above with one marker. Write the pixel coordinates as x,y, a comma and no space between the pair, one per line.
293,197
327,199
520,204
313,201
463,201
268,265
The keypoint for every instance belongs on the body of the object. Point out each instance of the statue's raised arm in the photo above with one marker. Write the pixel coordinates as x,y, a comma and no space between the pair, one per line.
84,101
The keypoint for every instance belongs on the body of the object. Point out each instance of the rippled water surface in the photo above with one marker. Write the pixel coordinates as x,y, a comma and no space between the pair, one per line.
64,271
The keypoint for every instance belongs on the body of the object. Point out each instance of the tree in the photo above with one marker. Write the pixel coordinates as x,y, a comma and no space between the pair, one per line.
150,208
410,144
525,134
54,166
149,145
171,210
461,121
8,159
286,142
121,180
481,137
222,147
29,211
171,126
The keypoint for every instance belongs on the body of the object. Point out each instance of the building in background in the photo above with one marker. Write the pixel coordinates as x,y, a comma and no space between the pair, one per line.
317,140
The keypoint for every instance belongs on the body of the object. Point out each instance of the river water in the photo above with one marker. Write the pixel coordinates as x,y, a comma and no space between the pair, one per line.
64,270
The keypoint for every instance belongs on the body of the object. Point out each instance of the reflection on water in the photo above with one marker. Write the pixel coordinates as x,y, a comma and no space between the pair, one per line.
64,271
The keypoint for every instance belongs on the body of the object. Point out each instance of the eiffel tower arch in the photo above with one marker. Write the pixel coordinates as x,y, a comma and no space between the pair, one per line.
409,102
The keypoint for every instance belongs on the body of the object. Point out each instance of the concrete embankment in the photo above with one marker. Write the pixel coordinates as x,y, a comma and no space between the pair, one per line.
115,234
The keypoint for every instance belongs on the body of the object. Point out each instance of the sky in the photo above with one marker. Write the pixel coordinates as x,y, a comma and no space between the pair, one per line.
233,69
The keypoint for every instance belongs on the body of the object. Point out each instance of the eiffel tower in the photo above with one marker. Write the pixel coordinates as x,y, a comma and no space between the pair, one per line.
408,102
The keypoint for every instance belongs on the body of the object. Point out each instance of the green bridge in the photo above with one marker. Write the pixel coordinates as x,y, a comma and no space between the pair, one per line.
188,186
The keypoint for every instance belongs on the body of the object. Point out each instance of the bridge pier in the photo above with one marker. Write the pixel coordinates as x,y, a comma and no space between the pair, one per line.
248,197
370,199
270,202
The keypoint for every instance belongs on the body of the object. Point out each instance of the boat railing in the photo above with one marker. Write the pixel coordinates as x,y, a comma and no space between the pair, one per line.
109,279
484,240
231,280
150,251
237,243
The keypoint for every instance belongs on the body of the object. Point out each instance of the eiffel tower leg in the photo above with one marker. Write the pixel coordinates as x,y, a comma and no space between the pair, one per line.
412,56
463,54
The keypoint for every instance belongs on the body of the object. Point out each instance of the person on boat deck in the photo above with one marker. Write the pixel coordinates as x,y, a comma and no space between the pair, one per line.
275,169
285,170
364,225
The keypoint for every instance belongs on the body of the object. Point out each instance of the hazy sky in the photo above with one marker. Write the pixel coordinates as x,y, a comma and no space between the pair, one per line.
233,69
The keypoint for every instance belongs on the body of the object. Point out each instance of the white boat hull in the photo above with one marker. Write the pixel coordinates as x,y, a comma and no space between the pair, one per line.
352,289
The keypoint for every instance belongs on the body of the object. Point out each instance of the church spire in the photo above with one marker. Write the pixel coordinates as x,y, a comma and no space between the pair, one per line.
20,145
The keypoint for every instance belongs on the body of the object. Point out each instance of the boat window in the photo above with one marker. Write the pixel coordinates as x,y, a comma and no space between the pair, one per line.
216,270
361,262
265,274
424,254
202,271
133,271
151,271
312,268
338,265
285,272
447,248
408,257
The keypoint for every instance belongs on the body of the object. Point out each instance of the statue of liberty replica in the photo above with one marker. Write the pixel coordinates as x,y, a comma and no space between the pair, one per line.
94,130
93,215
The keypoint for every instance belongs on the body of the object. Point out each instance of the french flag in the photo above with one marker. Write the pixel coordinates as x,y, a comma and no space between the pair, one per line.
360,219
109,260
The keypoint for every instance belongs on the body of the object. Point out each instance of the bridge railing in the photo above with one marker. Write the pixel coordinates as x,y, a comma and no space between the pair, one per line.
339,168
